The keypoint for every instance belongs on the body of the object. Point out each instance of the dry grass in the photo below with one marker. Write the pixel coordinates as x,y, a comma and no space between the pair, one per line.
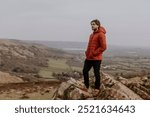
57,66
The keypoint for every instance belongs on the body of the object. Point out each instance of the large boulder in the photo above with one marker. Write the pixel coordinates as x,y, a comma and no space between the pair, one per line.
110,89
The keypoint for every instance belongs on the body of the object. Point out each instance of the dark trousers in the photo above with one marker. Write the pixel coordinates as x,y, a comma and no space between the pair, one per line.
88,64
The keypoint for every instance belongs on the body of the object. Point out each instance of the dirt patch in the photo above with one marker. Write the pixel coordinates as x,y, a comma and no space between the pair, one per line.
7,78
30,90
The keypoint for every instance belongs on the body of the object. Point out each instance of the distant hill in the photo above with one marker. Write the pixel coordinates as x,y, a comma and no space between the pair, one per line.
63,44
25,58
112,50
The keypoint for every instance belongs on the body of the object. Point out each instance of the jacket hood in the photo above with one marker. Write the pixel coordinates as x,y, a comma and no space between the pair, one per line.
102,29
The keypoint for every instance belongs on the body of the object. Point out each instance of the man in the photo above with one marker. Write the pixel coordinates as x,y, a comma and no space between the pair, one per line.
95,49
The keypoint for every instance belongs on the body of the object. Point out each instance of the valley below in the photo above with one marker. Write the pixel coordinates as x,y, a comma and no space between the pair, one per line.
33,70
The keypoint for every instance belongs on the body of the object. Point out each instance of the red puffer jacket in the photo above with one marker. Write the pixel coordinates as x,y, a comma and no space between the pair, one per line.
96,45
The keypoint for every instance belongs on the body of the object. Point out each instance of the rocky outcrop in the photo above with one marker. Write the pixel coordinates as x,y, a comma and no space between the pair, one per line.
66,75
140,86
110,89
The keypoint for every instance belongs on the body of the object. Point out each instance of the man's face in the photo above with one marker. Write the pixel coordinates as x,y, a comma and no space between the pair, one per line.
94,26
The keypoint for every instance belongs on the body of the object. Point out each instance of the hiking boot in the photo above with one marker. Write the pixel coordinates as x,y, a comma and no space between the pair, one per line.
89,90
84,88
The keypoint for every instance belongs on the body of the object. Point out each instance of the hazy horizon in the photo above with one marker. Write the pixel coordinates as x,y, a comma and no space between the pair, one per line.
126,22
85,44
64,41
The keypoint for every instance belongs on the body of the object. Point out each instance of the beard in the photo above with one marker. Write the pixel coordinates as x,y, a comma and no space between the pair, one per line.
94,29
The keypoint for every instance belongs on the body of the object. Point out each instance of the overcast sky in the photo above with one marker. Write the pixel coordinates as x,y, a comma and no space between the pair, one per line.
127,21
